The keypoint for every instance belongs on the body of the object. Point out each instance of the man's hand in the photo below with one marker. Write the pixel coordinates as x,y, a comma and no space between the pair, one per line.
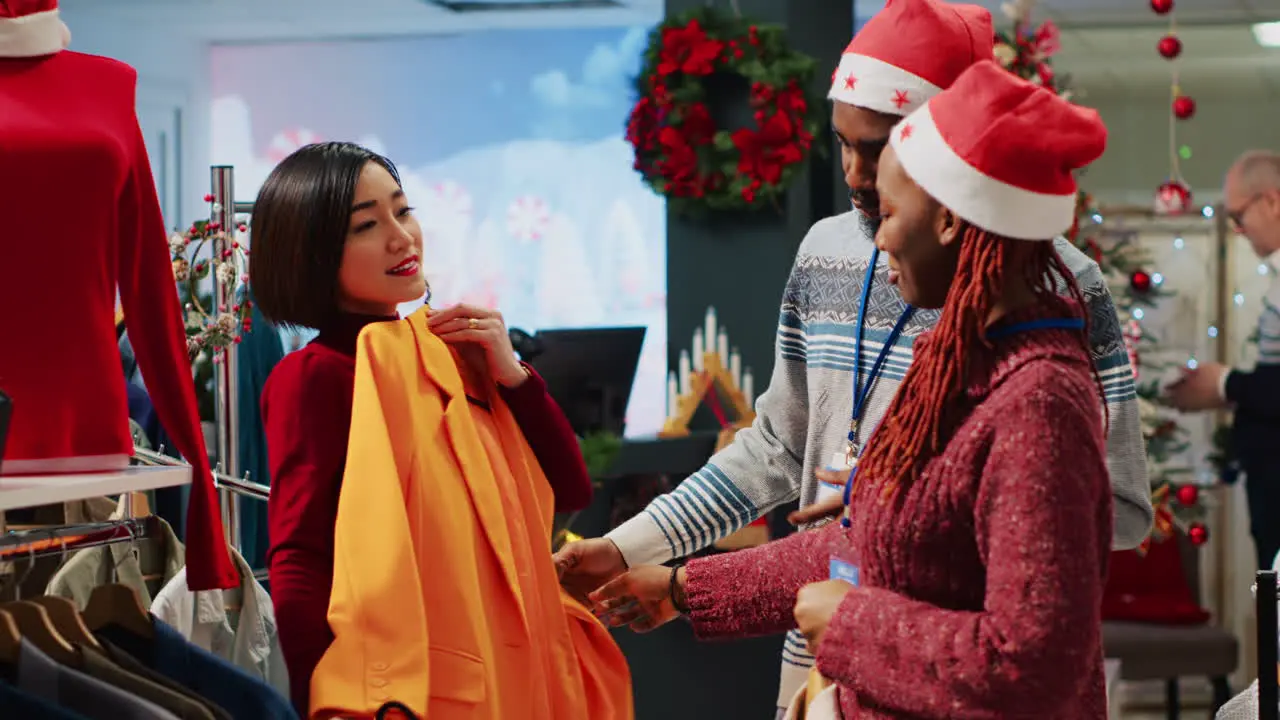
816,604
1198,389
829,508
585,565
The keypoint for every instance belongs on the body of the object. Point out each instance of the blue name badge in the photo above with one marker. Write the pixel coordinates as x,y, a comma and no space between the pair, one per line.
841,570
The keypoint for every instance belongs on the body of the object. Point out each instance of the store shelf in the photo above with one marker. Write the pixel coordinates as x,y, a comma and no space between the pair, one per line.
21,491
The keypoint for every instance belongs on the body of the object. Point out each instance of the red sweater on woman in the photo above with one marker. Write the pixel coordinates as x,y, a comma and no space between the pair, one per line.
306,412
981,582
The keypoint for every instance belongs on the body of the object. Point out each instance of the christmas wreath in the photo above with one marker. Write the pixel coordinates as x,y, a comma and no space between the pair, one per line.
679,149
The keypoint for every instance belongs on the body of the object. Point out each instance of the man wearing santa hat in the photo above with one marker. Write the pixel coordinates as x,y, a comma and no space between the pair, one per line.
821,408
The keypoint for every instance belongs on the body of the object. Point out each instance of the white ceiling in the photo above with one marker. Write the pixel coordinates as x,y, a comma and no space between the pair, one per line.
1108,45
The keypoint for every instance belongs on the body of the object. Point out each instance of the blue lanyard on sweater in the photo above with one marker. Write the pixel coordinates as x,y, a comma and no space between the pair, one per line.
862,392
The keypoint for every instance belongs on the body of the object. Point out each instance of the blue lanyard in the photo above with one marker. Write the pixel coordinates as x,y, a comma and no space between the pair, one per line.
862,392
997,333
1041,324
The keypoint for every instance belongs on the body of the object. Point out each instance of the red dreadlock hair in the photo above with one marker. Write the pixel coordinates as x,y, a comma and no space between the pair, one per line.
924,413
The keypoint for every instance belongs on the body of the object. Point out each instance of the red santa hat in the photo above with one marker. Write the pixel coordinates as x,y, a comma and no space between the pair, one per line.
909,52
31,28
1000,152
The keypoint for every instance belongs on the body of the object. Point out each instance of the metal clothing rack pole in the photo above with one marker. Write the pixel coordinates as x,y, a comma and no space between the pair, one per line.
242,487
1267,597
68,538
226,373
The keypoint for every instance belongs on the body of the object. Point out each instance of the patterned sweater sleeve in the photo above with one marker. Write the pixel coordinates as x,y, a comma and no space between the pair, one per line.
757,472
1042,523
752,592
1126,450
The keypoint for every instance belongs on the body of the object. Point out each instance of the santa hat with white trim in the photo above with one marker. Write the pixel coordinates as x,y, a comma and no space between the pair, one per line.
909,52
31,28
1000,152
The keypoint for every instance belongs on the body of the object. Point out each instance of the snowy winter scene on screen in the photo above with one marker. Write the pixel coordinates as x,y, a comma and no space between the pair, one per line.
511,148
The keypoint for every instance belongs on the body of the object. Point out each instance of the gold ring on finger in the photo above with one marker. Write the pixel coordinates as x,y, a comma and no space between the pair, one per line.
473,323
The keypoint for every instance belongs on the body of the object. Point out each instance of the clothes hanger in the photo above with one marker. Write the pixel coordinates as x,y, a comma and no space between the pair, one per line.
66,617
10,639
35,626
116,604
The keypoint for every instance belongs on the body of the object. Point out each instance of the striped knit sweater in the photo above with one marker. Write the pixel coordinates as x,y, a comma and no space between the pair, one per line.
802,419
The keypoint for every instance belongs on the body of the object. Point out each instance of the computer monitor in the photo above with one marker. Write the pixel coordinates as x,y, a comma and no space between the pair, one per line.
590,372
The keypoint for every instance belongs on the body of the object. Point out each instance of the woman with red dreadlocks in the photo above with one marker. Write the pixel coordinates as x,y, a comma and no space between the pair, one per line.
966,577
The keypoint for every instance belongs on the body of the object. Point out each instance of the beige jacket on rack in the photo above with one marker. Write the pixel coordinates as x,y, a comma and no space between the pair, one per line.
91,567
251,645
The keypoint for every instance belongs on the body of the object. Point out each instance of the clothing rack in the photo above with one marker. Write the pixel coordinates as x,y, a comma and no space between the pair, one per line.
63,539
239,487
1267,597
222,210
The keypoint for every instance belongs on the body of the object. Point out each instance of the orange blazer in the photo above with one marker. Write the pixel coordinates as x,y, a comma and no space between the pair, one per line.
427,606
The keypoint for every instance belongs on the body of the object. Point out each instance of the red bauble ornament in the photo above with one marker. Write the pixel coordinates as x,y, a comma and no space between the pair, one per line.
1198,534
1183,107
1169,46
1161,7
1187,495
1173,198
1140,281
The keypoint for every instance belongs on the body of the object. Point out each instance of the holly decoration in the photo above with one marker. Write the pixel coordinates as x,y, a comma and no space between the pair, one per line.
211,328
679,149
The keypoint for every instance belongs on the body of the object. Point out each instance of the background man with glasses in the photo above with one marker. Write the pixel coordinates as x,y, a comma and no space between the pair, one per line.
1251,197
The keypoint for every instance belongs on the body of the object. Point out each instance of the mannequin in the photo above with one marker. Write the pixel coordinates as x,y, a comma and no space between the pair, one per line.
81,219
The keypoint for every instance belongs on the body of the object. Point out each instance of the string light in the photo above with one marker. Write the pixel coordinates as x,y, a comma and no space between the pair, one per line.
1238,298
1191,363
1097,218
1138,314
1157,279
1207,211
1179,243
1213,331
1184,152
1262,269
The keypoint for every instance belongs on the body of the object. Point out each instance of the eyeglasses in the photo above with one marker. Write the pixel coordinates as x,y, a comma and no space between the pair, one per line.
1237,216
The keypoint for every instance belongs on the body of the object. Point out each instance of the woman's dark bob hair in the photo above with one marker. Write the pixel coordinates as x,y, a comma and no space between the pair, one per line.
300,222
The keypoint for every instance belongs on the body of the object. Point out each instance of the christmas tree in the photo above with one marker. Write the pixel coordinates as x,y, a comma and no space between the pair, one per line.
1027,51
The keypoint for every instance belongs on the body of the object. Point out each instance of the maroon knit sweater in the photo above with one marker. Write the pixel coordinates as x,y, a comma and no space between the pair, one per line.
981,582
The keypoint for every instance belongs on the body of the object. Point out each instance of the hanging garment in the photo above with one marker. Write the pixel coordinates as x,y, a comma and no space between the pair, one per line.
43,677
198,670
201,617
91,567
69,121
24,705
99,666
445,597
259,351
136,666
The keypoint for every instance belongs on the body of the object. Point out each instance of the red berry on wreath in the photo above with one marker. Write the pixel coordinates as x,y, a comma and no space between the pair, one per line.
1161,7
1183,107
1188,495
1169,46
1198,534
1140,281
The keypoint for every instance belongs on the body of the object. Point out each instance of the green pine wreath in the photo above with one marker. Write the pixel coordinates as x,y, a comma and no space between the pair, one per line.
681,152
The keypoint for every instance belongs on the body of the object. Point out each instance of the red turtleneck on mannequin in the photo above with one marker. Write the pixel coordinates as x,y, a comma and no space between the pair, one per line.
81,219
